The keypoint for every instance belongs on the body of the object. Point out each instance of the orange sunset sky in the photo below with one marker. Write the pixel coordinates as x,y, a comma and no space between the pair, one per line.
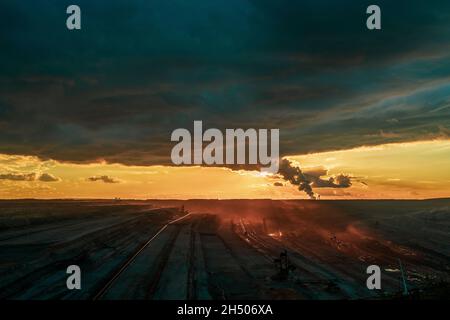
399,170
365,114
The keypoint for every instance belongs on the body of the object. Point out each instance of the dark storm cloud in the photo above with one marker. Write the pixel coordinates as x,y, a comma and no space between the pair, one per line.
139,69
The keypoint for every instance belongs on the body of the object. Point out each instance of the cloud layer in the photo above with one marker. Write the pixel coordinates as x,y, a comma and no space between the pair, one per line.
105,179
139,69
44,177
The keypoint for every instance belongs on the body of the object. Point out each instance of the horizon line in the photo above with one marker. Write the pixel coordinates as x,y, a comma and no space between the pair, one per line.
219,199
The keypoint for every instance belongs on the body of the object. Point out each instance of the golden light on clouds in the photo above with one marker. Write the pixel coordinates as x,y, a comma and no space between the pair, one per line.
403,170
398,170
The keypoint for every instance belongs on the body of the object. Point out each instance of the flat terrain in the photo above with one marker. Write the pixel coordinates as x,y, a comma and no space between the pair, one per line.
229,249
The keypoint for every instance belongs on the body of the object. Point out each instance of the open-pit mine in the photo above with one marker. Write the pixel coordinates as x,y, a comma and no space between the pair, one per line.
224,249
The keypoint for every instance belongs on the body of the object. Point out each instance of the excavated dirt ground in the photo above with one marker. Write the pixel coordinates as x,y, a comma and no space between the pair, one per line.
223,249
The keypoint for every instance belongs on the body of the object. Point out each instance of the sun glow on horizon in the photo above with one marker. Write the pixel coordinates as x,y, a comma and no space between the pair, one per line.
399,170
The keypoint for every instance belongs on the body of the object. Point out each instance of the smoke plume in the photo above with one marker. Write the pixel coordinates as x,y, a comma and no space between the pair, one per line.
338,181
311,178
296,177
